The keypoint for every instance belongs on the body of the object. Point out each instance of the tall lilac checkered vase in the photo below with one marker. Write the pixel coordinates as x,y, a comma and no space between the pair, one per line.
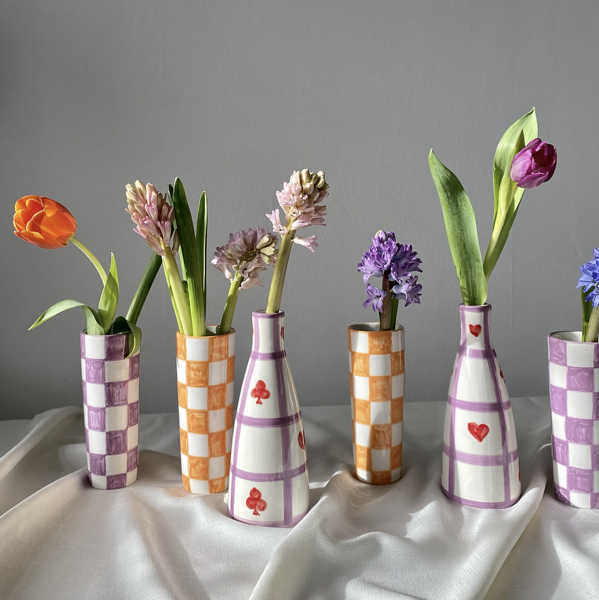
110,409
268,484
480,452
574,394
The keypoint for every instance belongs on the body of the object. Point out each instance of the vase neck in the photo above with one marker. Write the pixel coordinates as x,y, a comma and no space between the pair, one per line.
476,327
268,332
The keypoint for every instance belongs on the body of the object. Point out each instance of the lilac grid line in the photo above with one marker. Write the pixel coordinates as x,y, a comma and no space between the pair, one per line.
241,408
478,406
268,477
483,460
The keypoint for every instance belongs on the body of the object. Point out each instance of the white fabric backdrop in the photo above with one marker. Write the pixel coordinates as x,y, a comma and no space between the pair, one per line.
61,539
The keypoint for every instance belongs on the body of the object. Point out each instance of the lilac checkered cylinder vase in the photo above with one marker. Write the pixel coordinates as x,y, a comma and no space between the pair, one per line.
110,409
480,451
268,484
574,394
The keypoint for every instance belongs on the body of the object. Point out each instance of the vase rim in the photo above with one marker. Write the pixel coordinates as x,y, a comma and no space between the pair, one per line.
372,327
262,314
104,335
212,328
561,335
475,307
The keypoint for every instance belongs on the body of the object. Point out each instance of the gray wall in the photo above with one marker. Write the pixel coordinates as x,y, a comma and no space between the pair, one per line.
232,97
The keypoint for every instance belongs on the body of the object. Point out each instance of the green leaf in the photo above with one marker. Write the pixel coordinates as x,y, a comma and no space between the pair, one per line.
94,324
144,288
202,240
587,309
109,299
460,224
122,325
506,193
191,256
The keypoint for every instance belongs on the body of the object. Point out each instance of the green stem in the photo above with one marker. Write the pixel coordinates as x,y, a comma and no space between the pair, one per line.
143,289
179,299
91,257
394,309
278,278
385,319
593,328
225,324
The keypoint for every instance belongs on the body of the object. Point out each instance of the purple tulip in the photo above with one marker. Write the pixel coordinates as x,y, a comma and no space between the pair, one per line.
534,164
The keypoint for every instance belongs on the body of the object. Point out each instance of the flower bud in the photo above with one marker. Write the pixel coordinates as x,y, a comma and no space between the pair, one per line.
534,164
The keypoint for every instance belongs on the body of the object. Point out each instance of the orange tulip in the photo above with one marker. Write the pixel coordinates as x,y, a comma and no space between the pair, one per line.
43,222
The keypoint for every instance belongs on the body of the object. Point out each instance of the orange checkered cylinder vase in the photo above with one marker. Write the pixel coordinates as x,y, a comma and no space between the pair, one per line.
376,376
205,386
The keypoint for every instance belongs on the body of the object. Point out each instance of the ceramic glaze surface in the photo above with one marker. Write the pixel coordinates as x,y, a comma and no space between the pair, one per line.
269,478
205,388
480,451
110,409
574,394
376,379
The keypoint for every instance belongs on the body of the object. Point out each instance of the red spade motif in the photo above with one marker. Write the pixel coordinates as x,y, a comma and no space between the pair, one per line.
501,373
478,432
255,502
301,440
475,330
260,391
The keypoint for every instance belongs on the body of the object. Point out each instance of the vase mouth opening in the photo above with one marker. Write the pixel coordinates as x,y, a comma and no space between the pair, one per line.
373,327
213,333
104,335
475,307
569,336
262,314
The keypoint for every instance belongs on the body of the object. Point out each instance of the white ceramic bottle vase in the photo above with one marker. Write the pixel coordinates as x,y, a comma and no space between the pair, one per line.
268,484
480,451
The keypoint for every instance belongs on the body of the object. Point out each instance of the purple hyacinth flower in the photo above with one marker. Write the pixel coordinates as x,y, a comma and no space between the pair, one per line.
375,298
380,256
408,289
404,263
590,278
534,164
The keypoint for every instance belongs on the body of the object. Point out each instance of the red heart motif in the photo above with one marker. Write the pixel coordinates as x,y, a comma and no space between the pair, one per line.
301,440
478,432
475,330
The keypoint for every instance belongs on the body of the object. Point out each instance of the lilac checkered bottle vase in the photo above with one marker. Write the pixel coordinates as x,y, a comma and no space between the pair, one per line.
268,484
480,451
574,395
110,409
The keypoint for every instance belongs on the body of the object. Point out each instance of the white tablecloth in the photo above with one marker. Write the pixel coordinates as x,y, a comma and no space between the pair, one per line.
61,539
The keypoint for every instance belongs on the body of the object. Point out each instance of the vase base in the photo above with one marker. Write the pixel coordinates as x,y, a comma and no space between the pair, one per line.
478,504
112,482
576,499
378,478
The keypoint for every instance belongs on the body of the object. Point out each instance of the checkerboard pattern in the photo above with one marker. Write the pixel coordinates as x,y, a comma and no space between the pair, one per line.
110,409
205,386
574,394
376,375
480,450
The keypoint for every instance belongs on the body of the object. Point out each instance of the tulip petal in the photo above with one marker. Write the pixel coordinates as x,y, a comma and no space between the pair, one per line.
43,222
37,239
